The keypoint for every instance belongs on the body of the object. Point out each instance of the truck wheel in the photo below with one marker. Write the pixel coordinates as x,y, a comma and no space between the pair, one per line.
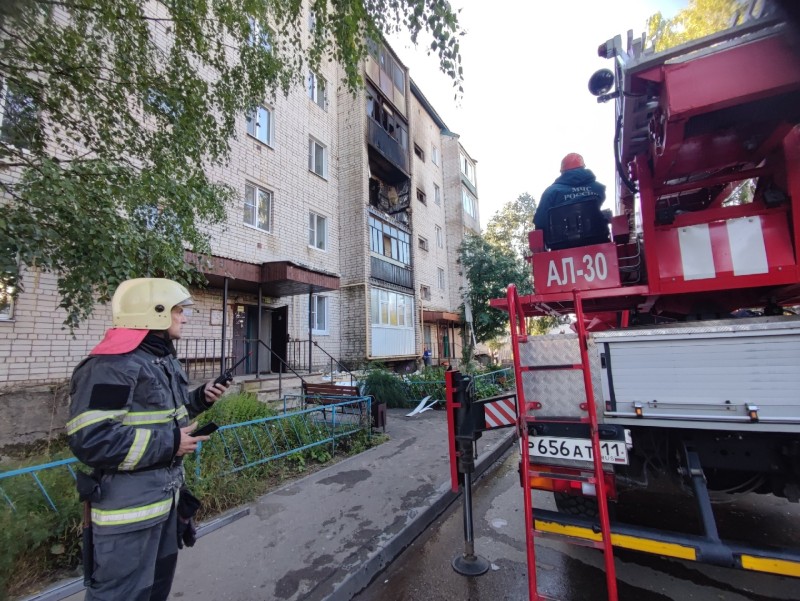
585,507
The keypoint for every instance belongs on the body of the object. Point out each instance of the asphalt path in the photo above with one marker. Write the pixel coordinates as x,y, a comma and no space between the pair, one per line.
574,573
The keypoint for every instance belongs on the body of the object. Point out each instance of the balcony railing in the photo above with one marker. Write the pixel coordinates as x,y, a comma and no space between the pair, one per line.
380,139
389,272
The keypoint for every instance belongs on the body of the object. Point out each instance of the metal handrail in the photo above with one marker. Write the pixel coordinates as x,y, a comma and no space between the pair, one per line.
635,268
280,371
278,357
352,376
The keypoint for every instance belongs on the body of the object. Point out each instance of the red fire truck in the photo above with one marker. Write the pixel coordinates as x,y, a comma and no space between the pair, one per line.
685,366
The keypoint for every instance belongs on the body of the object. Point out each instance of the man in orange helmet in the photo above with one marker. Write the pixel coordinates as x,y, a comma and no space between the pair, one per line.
575,185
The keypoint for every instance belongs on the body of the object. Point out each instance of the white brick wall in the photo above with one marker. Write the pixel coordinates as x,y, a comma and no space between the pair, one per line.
428,216
458,221
36,350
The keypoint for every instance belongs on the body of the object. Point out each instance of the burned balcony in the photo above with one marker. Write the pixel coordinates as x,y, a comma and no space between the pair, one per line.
388,154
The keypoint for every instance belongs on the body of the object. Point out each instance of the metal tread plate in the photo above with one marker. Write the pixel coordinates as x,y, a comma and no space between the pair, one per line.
560,392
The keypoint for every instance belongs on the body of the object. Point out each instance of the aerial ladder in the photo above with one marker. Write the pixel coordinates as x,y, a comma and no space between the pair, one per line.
687,256
572,414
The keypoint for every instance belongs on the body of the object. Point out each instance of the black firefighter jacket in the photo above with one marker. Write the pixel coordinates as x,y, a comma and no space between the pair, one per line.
125,415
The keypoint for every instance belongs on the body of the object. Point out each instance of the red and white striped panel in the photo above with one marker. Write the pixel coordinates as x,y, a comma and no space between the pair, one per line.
500,414
743,246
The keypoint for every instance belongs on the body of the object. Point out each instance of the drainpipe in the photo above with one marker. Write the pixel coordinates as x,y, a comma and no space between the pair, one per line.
367,321
422,328
258,332
224,323
310,325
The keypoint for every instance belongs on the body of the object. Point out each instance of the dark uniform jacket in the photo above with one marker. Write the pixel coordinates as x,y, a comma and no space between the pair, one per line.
125,415
573,186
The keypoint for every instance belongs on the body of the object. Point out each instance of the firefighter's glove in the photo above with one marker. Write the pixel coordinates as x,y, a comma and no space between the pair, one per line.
187,533
188,505
88,486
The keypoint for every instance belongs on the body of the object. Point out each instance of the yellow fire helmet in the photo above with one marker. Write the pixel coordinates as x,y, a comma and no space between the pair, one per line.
147,303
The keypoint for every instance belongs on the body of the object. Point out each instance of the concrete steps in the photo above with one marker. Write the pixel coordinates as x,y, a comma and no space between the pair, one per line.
272,388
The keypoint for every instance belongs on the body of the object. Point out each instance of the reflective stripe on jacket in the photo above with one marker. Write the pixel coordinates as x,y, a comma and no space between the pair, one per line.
125,415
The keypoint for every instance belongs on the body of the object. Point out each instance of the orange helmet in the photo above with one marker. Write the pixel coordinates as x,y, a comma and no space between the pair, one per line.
572,161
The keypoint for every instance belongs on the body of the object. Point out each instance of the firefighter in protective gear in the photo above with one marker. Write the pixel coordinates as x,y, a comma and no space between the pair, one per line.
576,185
130,416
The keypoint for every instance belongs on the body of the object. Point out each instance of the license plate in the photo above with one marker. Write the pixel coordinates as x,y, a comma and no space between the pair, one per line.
577,449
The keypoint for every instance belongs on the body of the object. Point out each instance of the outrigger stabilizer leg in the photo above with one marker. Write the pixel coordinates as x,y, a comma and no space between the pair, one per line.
468,563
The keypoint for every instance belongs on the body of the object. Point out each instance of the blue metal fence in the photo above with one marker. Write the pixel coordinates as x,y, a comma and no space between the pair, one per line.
504,378
417,389
248,444
232,448
36,473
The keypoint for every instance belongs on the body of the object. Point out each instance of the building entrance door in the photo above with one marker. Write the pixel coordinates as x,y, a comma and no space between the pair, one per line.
240,345
254,335
280,334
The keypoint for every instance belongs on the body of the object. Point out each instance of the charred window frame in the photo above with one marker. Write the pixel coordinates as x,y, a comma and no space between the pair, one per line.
384,115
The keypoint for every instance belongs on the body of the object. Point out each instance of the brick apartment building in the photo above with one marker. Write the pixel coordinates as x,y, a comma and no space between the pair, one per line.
343,245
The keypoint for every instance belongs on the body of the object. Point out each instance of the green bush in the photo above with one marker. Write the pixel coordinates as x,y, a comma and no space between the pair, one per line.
485,388
230,449
431,382
386,387
428,382
235,409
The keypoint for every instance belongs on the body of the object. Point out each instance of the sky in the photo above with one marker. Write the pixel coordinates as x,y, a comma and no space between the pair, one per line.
526,101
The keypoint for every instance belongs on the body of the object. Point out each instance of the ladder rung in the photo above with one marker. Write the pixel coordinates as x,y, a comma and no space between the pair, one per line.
580,542
532,420
551,367
559,476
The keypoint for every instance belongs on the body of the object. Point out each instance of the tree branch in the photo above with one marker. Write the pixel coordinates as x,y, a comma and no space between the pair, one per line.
91,9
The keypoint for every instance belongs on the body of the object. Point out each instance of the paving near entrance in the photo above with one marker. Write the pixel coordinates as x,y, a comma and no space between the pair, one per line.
328,534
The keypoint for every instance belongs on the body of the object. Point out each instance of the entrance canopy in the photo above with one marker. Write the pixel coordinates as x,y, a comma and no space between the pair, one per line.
440,317
276,278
